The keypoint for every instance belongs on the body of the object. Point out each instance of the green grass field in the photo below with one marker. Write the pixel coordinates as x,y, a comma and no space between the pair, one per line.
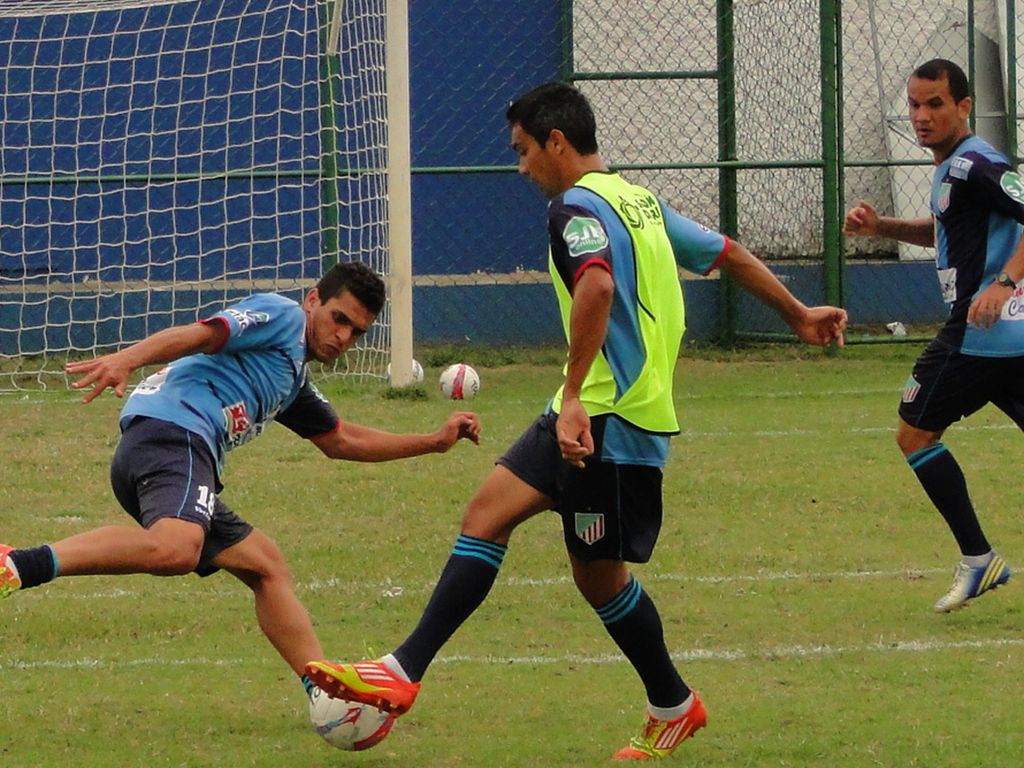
795,575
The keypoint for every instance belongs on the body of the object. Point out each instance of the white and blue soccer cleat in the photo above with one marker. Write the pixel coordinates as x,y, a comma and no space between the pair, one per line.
969,583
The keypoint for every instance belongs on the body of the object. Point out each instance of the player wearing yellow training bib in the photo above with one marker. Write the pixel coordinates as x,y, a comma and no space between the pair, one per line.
596,454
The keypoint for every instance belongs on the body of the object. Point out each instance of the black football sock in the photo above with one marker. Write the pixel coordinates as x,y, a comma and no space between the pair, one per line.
35,566
465,581
632,620
943,480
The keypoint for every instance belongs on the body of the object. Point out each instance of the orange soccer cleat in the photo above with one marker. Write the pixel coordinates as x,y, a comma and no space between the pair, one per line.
659,738
368,682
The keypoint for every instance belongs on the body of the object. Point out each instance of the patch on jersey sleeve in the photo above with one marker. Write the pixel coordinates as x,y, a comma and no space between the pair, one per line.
960,168
584,235
246,317
1013,185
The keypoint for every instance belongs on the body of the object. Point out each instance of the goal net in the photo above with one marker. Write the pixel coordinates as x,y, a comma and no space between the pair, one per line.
159,160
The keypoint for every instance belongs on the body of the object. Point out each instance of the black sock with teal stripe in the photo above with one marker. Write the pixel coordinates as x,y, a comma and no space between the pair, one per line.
632,620
35,566
943,480
466,580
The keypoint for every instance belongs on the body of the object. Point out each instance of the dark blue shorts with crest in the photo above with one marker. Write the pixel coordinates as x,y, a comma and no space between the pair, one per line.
609,511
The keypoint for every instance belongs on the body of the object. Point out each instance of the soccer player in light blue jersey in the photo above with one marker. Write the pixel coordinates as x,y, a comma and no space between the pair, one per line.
978,355
225,380
596,453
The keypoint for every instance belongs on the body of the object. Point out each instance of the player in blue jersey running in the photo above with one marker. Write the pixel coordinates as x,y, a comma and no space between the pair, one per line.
596,453
228,377
978,355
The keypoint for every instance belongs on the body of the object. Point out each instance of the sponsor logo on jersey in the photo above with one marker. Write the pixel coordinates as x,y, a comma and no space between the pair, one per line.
584,235
1014,308
246,317
151,384
910,390
945,192
960,168
240,428
640,210
589,527
1013,185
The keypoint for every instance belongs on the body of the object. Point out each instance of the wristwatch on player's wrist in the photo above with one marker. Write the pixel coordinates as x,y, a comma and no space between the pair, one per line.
1004,279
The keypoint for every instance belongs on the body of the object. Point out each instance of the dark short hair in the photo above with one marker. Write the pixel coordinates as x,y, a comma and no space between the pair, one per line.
937,69
556,105
356,278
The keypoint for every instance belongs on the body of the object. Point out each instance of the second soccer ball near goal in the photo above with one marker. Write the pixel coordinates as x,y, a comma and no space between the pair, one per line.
460,382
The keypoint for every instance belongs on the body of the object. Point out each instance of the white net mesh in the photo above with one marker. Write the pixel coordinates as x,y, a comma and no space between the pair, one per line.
159,160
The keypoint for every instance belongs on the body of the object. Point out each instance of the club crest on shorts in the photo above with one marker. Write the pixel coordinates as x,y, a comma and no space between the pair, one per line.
590,527
910,390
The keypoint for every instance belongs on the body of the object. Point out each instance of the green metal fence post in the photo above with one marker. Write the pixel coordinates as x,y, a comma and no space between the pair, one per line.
971,68
1011,80
567,65
728,218
832,151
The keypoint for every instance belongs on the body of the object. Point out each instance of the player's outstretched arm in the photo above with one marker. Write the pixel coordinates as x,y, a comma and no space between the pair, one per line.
113,370
864,221
814,325
355,442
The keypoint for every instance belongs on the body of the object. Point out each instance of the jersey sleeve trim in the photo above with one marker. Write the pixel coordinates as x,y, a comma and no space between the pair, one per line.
721,257
596,262
222,338
331,431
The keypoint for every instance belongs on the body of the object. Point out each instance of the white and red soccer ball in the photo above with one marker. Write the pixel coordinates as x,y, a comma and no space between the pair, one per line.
348,725
460,382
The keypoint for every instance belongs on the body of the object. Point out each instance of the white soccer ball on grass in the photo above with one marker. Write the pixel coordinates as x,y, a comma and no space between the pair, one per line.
460,382
348,725
417,372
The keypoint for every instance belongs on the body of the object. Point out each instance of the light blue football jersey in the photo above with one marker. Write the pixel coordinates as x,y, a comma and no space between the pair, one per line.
229,397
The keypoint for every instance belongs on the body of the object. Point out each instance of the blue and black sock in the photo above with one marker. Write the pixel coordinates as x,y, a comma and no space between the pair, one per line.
632,620
466,580
35,566
943,480
308,684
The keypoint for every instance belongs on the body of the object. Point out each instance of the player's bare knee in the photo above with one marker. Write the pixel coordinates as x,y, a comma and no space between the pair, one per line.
173,558
480,522
911,440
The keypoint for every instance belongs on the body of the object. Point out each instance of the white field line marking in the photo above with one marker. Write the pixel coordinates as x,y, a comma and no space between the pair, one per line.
687,434
393,589
697,654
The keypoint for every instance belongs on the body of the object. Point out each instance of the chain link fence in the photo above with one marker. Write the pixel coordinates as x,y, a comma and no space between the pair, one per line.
883,41
722,108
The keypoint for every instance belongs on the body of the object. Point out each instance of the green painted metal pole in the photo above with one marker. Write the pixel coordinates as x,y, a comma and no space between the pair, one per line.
566,65
330,77
1011,80
971,68
831,148
728,217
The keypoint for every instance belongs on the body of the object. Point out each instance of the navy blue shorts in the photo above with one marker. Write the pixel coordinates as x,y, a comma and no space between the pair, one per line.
161,470
609,511
947,385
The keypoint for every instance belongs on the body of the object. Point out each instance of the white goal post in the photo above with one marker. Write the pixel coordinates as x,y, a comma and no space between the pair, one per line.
159,159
